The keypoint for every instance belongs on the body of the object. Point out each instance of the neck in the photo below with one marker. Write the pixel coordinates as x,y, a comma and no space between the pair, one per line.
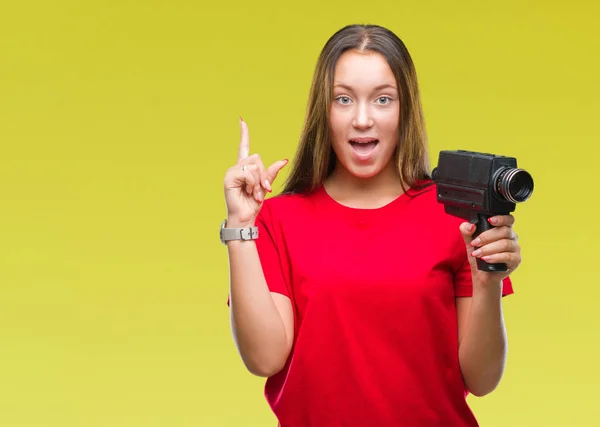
372,192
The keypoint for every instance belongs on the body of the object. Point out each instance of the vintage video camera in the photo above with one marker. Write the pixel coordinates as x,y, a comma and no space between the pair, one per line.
475,186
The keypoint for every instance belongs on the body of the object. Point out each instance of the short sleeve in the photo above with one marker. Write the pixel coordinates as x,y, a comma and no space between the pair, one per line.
271,252
463,282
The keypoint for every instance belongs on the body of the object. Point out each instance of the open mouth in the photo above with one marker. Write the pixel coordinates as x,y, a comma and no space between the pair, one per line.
364,146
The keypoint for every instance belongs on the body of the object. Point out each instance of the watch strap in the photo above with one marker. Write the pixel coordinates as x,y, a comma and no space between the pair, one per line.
246,233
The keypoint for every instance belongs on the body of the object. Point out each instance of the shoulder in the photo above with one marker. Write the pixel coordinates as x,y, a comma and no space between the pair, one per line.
289,201
423,196
423,189
424,202
288,206
434,224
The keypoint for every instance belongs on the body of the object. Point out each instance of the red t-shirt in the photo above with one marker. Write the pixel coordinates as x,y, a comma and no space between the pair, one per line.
373,292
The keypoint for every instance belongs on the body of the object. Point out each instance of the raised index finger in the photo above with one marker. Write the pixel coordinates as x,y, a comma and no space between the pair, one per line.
244,150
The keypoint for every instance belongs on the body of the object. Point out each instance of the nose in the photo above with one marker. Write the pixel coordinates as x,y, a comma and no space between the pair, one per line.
362,117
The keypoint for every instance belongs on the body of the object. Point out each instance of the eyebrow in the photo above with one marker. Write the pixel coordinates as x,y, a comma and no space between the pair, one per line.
380,87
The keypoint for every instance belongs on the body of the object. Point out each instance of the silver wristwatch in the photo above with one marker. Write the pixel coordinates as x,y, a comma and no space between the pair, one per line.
228,234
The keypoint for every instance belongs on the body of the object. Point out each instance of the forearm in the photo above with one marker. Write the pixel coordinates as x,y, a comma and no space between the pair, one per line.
483,346
257,325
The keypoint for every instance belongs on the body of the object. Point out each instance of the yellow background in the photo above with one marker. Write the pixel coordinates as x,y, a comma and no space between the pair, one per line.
118,120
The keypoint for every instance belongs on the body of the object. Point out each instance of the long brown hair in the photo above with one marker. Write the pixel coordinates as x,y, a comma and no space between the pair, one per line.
315,158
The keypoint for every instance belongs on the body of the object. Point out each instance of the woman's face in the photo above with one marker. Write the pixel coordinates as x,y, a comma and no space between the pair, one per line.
365,113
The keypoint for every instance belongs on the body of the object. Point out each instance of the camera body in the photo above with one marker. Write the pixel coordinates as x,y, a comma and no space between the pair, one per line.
476,186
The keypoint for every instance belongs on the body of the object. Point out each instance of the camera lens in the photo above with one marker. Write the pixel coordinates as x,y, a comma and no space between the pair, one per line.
514,185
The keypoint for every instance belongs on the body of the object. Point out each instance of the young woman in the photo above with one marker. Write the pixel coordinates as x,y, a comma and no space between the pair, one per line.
353,292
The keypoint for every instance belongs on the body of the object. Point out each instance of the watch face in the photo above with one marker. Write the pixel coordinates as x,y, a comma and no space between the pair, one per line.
221,231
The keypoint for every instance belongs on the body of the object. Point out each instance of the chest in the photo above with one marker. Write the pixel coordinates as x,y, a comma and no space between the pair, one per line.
405,262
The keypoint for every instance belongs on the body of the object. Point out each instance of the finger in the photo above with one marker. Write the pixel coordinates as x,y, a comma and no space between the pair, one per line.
500,220
499,246
259,194
249,178
275,168
467,229
511,259
493,234
264,180
244,149
254,187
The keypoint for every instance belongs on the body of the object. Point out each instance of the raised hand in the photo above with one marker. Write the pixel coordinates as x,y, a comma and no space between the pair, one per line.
247,182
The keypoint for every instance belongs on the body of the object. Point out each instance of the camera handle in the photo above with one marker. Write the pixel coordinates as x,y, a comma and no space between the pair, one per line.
482,225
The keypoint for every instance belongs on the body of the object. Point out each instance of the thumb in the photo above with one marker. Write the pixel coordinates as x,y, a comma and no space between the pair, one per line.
274,169
467,230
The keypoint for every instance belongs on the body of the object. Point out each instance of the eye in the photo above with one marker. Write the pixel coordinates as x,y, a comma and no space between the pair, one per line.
383,100
343,99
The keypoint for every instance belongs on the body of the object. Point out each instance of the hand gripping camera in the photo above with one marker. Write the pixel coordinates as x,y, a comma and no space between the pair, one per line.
476,186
